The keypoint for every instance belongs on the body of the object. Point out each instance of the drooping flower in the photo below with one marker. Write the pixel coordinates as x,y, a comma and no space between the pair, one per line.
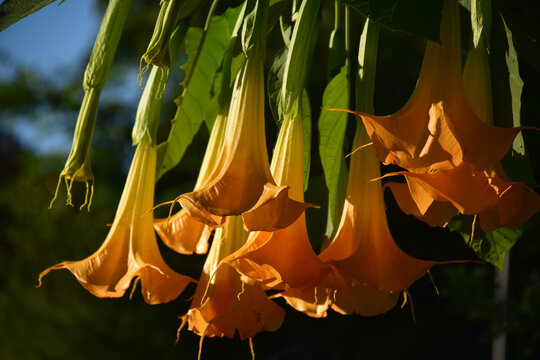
181,232
130,249
436,129
241,180
283,257
366,261
363,247
223,303
498,202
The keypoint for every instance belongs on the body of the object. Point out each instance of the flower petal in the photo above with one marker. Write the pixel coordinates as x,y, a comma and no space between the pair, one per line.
430,211
183,234
222,302
437,129
274,210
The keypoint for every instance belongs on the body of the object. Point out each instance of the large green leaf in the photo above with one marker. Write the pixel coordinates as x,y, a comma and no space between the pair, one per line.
193,104
480,19
417,17
275,82
516,87
507,89
332,126
12,11
491,247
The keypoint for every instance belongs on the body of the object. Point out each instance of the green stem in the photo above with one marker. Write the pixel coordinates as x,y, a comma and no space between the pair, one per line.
347,36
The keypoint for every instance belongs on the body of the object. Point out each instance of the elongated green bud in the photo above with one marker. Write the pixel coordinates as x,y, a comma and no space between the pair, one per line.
157,52
106,44
298,57
77,166
149,109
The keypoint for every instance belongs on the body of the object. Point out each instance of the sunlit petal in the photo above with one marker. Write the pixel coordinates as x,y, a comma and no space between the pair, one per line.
437,129
130,250
222,302
283,257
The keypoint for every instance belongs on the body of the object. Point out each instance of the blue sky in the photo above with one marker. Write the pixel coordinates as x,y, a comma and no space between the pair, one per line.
54,42
50,39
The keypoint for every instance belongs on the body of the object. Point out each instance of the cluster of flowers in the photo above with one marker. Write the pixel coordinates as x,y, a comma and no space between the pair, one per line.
251,213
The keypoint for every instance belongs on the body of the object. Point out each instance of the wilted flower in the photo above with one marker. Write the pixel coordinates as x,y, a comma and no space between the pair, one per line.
130,250
222,302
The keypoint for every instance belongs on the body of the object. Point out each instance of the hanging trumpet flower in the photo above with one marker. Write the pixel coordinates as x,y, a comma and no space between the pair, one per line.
241,180
130,250
181,232
496,200
436,129
222,302
273,257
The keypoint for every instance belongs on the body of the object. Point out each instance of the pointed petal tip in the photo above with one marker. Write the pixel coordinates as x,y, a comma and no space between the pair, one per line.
199,213
274,210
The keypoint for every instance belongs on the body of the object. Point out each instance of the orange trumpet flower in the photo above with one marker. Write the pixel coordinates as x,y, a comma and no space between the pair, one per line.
181,232
283,257
130,250
498,202
436,197
436,129
369,269
222,302
363,248
241,180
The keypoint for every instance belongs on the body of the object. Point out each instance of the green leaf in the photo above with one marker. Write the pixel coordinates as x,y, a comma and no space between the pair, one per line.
497,245
275,82
480,19
332,126
306,125
367,63
12,11
507,88
195,101
236,64
516,87
418,17
491,247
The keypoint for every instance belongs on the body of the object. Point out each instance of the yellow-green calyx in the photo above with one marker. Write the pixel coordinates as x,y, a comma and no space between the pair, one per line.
77,166
157,52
